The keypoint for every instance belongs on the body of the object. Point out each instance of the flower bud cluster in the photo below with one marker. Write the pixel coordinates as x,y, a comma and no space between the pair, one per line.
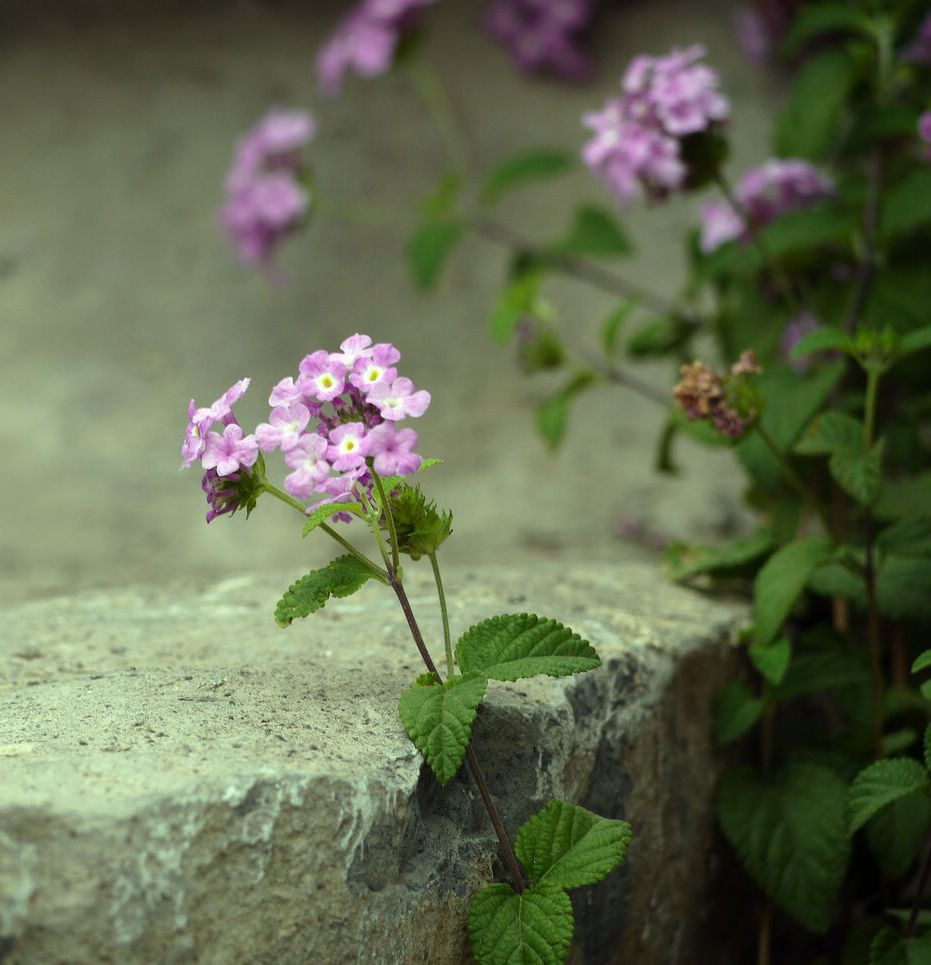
637,137
727,401
339,415
264,197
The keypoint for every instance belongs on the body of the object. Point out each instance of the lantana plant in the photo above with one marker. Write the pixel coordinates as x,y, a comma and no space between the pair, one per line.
808,293
336,424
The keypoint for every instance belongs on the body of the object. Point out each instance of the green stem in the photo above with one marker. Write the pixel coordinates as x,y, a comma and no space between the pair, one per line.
447,642
434,95
782,282
380,574
791,476
873,375
389,520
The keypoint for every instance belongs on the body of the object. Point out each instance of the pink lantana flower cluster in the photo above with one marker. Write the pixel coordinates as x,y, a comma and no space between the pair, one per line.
341,413
264,197
365,41
543,35
763,194
636,145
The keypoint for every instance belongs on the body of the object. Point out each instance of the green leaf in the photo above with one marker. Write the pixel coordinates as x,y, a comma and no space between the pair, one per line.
521,299
823,18
914,341
772,660
685,560
859,473
906,204
553,413
780,582
524,168
904,497
735,711
831,432
594,231
809,125
429,248
657,337
612,325
903,587
896,833
812,672
889,948
443,199
791,836
907,537
322,513
531,928
927,746
822,340
922,661
880,784
567,846
511,646
438,719
340,577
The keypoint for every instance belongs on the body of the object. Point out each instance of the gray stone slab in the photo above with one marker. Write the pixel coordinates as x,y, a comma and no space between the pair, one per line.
182,781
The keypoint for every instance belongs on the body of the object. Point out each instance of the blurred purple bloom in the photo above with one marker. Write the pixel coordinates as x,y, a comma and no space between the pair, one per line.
924,127
636,142
763,194
543,35
794,332
753,34
919,50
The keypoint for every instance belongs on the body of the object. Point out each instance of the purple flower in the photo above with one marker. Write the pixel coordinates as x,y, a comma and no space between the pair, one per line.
924,127
284,427
347,446
200,421
365,41
393,450
222,493
919,50
763,194
230,451
398,400
543,35
308,460
322,375
264,200
636,142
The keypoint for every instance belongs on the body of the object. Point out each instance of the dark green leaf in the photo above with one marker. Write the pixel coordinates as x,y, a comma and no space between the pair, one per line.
685,560
922,661
438,719
859,473
791,836
880,784
511,646
927,746
340,577
531,928
820,19
772,659
814,671
429,248
594,231
906,204
831,432
553,413
914,341
567,846
895,833
903,587
524,168
904,497
780,582
889,948
657,337
735,711
822,340
809,125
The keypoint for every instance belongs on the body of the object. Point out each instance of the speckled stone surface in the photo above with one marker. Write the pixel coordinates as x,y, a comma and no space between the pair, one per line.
180,780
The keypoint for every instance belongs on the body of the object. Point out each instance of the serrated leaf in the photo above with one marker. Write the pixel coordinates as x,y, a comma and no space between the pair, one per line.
322,513
791,836
896,833
611,326
772,659
524,168
438,719
340,577
781,580
735,711
685,561
808,127
914,341
567,846
531,928
553,413
516,645
859,473
831,432
906,204
823,18
429,247
822,340
880,784
594,231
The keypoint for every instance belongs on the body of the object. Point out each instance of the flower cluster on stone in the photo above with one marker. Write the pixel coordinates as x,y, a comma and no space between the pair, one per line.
637,141
762,194
727,401
544,36
365,41
340,414
264,197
